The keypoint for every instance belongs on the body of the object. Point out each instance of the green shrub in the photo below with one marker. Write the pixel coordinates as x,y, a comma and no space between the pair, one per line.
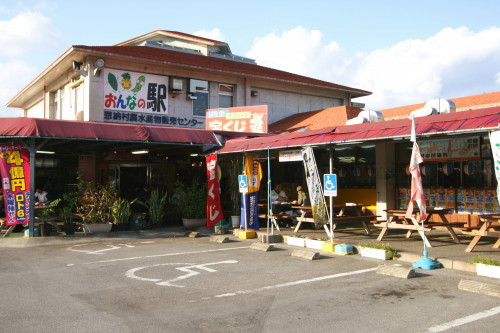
486,261
389,249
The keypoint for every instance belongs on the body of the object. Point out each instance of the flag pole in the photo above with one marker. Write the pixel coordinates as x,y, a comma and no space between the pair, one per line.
417,195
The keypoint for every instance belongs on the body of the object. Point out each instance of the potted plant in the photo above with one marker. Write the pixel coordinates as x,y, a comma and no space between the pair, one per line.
95,205
377,250
192,203
296,240
67,210
487,267
155,205
121,212
44,216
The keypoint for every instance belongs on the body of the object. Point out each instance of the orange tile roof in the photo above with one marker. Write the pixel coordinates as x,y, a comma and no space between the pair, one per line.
330,117
461,103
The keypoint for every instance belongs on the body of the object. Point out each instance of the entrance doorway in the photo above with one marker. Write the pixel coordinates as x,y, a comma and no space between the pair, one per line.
129,178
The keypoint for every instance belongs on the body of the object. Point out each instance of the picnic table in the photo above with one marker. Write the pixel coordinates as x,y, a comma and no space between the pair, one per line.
343,214
396,220
489,228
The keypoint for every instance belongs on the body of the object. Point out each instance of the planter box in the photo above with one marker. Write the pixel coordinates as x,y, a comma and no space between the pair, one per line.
314,244
301,242
98,228
488,270
194,223
374,253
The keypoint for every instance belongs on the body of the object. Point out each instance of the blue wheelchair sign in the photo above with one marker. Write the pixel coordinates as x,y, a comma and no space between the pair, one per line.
243,183
330,183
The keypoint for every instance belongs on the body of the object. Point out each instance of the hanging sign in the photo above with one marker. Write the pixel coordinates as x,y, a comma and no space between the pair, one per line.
15,173
290,155
214,209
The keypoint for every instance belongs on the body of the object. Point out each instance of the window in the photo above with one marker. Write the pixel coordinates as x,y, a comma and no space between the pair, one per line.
199,90
225,95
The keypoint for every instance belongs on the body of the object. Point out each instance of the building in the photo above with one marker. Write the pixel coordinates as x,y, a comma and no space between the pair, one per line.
96,105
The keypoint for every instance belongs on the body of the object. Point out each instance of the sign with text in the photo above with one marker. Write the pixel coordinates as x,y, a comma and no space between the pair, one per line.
137,92
15,173
243,183
214,209
238,119
450,149
330,185
290,156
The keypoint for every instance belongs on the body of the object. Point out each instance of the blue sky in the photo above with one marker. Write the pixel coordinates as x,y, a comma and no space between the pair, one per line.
405,53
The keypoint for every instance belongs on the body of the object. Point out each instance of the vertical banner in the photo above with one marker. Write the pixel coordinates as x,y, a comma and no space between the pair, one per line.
253,171
495,149
214,209
315,189
15,172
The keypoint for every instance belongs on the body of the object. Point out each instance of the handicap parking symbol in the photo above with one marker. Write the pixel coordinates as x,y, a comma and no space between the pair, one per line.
243,183
330,183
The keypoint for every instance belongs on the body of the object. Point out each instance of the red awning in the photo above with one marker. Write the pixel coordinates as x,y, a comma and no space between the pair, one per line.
449,123
69,129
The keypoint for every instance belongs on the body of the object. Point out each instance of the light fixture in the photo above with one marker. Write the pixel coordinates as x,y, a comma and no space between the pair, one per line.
46,152
254,93
99,65
137,152
191,96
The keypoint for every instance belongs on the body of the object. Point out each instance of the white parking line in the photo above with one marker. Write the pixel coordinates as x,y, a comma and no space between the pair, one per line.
165,255
465,320
294,283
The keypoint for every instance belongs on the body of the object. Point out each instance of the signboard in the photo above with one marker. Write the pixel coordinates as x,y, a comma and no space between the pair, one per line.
243,183
239,119
330,181
449,149
15,172
137,92
290,156
316,194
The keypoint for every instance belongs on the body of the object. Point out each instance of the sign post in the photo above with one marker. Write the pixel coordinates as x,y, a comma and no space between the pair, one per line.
330,186
243,186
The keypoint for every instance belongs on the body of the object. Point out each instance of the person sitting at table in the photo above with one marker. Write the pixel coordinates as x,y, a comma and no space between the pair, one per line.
278,195
41,197
302,198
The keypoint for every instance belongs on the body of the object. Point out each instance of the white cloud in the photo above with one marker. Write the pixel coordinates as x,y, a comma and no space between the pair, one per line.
214,34
452,63
24,35
27,32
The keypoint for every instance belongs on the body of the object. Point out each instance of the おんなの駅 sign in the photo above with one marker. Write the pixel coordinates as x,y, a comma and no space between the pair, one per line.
130,91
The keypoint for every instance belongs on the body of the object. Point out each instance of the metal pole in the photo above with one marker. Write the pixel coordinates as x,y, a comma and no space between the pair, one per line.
331,197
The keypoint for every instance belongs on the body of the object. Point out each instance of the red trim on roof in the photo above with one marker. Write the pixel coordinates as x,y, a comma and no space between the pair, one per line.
457,122
70,129
201,61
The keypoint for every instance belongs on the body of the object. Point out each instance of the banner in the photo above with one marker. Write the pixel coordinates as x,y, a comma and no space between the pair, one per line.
15,172
214,209
253,170
495,149
316,194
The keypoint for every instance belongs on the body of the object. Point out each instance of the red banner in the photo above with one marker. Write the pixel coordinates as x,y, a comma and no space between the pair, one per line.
214,209
15,172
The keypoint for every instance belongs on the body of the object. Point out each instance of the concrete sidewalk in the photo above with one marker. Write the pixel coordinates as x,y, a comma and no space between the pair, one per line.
448,253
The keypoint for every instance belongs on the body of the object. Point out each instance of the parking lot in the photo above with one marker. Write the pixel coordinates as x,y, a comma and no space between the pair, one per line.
186,284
